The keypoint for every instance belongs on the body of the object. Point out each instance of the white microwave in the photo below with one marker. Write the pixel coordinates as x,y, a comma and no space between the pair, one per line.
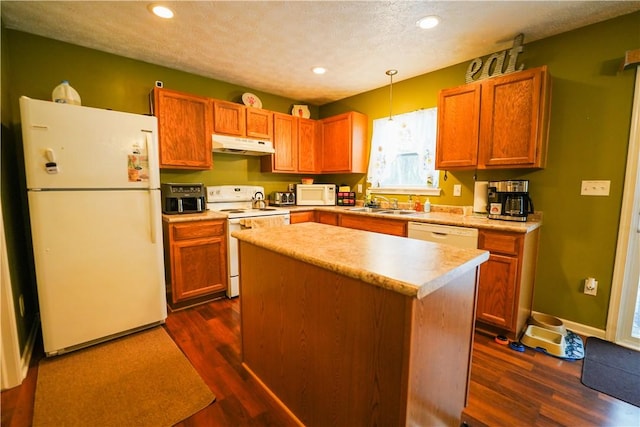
315,194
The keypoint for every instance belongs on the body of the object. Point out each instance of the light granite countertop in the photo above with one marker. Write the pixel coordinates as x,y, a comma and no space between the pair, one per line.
202,216
440,214
410,267
444,215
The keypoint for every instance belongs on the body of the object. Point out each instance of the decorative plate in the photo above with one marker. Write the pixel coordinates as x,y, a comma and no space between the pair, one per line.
301,111
250,100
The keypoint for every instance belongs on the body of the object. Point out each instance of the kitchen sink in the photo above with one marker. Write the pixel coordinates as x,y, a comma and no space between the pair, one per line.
397,212
384,211
368,209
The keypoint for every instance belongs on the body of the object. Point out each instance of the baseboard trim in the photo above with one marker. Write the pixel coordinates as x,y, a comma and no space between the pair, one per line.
579,328
25,360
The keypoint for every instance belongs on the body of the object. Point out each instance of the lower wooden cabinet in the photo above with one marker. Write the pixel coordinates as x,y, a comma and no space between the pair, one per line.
195,261
330,218
394,227
305,216
505,289
378,225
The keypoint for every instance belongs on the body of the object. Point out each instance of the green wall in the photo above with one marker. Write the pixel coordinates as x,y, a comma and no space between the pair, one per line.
588,139
590,115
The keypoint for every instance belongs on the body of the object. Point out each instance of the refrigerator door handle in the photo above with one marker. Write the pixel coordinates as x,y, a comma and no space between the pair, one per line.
152,214
147,141
153,217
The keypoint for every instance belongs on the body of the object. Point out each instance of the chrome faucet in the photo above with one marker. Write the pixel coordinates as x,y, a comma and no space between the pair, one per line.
375,200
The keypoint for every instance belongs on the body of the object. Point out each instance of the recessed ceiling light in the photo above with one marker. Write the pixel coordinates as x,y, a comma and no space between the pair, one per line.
319,70
428,22
161,11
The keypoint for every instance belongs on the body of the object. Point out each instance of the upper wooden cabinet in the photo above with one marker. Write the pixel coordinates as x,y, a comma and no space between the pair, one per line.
285,142
184,129
497,123
458,127
234,119
296,141
259,123
229,118
309,145
344,143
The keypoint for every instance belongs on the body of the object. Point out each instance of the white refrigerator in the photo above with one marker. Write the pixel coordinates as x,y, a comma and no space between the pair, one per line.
94,204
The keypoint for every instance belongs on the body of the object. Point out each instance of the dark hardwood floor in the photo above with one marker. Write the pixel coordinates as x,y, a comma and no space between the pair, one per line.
507,388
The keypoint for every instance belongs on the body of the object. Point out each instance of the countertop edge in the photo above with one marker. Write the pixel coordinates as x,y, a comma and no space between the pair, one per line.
419,290
435,217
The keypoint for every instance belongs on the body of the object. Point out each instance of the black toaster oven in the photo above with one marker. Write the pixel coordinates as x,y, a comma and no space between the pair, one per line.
183,198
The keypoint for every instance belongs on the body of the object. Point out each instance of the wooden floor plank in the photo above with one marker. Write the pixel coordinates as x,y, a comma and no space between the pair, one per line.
507,388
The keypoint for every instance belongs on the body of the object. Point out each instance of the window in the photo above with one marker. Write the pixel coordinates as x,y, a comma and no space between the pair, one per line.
403,152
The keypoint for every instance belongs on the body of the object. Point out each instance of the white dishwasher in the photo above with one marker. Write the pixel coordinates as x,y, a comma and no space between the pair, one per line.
462,237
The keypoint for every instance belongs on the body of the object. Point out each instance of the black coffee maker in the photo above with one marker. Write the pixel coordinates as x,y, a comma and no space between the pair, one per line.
509,200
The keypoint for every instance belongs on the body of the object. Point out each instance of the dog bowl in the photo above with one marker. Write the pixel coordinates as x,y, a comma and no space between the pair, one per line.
548,322
543,339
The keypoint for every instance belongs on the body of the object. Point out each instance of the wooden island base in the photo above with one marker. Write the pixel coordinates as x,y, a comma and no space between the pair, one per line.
337,351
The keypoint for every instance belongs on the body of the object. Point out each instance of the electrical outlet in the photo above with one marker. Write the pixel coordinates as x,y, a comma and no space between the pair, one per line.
595,188
590,286
359,188
457,190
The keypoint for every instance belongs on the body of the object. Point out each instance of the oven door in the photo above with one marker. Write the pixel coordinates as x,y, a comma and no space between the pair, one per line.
232,244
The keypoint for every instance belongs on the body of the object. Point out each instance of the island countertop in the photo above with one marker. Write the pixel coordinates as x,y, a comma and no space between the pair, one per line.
410,267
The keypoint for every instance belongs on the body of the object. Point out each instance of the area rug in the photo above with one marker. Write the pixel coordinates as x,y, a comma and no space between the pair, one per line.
612,369
138,380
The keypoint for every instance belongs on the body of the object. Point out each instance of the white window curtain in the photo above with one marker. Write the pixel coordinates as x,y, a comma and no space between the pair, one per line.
403,151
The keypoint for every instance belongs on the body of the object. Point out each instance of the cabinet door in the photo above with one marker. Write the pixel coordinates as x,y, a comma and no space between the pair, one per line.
259,123
199,268
513,130
196,259
285,130
344,139
229,118
458,123
308,145
496,291
184,129
327,218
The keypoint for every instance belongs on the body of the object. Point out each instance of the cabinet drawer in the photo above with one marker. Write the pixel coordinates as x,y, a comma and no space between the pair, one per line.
198,229
503,243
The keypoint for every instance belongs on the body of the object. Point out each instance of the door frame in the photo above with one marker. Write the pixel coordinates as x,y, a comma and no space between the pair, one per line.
624,287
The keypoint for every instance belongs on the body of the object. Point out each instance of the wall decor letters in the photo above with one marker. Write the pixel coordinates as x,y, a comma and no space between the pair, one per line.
494,64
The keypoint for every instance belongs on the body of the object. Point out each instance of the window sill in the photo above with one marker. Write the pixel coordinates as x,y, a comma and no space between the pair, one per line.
407,190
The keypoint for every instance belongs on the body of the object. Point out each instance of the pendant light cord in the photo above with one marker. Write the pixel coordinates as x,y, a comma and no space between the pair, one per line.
391,73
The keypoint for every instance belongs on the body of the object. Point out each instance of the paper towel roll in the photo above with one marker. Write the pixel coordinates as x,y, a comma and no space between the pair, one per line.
480,196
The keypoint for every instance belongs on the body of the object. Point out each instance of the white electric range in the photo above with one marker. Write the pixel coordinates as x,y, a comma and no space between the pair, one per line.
240,203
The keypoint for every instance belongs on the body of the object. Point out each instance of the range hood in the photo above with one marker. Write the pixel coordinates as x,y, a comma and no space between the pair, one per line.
245,146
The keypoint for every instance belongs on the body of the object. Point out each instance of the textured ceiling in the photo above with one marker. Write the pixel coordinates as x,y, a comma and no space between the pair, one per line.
271,46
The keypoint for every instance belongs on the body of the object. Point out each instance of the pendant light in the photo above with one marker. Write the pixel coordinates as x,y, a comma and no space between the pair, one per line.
391,73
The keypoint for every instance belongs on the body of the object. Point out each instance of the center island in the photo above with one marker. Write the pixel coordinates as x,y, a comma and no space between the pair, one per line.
351,328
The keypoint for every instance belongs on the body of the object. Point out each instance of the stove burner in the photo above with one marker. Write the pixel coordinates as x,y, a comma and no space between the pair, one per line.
267,209
232,210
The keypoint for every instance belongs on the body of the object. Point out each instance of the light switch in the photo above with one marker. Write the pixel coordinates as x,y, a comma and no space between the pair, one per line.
595,188
457,190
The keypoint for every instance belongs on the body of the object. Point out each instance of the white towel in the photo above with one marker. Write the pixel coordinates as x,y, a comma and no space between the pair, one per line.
263,222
